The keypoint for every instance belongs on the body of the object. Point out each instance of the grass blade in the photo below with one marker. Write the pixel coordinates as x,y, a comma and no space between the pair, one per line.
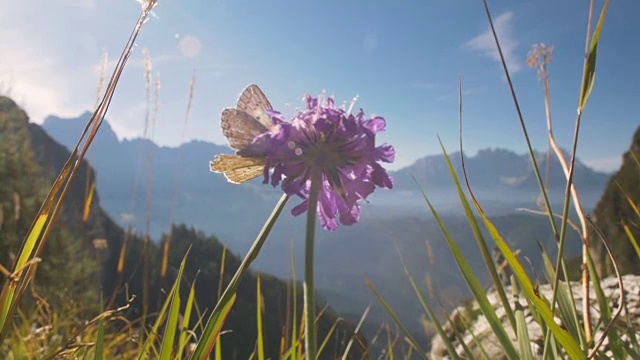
390,311
566,304
11,294
615,344
99,351
434,320
88,201
522,331
153,333
475,286
355,332
632,238
174,310
328,337
259,310
294,326
9,287
222,308
182,341
218,350
590,64
569,343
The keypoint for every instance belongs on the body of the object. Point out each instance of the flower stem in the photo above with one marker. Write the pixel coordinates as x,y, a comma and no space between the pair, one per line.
308,288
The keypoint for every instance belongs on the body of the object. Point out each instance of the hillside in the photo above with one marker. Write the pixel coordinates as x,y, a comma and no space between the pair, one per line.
613,210
69,267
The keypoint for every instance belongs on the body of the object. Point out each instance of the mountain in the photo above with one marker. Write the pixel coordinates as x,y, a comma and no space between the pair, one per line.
75,271
503,182
204,200
614,210
498,168
501,179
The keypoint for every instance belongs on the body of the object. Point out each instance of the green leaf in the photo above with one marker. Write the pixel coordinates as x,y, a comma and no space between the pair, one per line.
566,304
151,337
476,287
615,343
99,352
174,310
524,342
327,338
590,64
632,238
475,228
182,341
570,345
9,295
259,320
467,272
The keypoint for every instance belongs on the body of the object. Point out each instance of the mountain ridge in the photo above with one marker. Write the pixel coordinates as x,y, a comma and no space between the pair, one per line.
489,170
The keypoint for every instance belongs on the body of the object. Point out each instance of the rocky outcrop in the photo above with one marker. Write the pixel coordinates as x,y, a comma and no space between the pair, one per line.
470,323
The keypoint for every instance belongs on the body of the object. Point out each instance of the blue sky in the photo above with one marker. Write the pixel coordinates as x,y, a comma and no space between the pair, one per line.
402,58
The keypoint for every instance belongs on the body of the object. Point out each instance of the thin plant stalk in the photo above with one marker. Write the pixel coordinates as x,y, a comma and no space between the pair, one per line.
294,299
481,243
585,90
621,301
145,251
576,202
12,291
308,288
176,181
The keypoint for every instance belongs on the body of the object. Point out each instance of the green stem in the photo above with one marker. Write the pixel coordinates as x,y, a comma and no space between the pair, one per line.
310,339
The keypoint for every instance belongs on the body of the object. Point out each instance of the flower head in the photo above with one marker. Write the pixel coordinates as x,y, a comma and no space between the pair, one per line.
328,144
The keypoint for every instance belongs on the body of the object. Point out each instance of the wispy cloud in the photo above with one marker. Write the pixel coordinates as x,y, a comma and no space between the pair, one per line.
138,61
33,80
605,164
467,91
485,43
425,85
49,70
370,43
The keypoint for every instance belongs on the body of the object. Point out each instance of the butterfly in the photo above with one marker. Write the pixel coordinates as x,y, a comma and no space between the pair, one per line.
241,125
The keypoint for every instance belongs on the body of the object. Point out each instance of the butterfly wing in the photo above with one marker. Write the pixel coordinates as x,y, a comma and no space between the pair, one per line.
240,128
238,169
254,102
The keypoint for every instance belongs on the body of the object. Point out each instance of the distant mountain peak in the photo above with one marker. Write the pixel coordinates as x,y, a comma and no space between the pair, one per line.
498,169
67,130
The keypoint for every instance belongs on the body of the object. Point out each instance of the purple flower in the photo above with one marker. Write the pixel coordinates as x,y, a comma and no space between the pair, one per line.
327,143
